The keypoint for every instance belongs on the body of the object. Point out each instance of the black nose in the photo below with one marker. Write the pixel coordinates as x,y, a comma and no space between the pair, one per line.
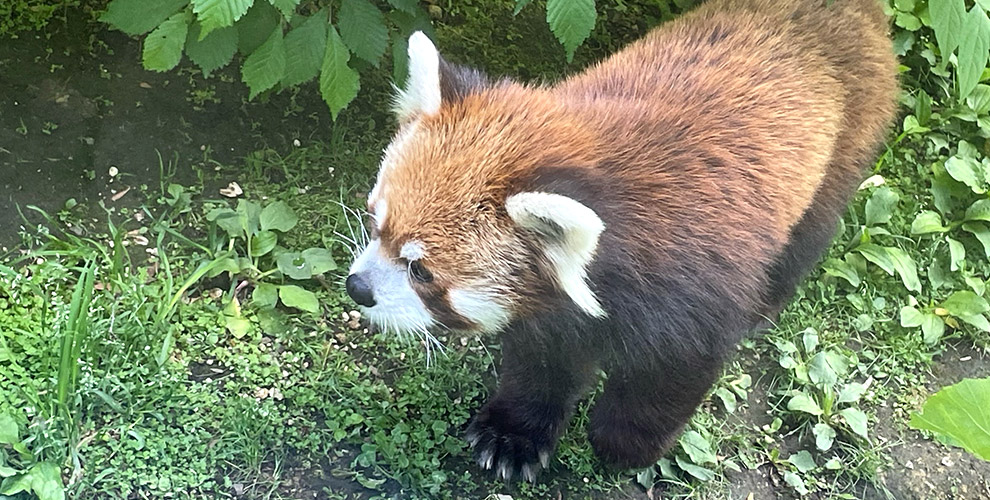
360,291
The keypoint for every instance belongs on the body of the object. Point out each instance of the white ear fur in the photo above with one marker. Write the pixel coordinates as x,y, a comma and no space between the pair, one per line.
422,92
570,256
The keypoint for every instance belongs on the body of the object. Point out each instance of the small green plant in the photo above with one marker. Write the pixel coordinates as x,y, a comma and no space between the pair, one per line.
958,416
17,473
259,256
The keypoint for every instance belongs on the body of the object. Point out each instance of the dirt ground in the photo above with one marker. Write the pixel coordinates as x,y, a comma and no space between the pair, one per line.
71,112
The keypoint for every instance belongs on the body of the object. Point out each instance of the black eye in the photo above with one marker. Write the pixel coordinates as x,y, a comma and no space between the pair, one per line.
419,272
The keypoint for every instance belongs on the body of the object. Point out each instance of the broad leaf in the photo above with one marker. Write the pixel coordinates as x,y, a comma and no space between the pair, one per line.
136,17
286,7
304,48
957,254
857,420
824,436
979,99
947,17
214,51
803,402
256,26
965,303
8,429
928,222
974,49
911,317
339,83
265,296
362,28
409,6
932,328
959,412
851,392
278,216
319,259
163,47
294,296
293,265
968,171
979,210
877,255
977,320
905,267
840,269
794,481
262,243
981,232
571,22
697,447
880,206
697,471
803,461
266,65
825,368
213,14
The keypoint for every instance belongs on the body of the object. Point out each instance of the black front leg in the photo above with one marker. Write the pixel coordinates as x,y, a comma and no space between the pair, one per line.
516,431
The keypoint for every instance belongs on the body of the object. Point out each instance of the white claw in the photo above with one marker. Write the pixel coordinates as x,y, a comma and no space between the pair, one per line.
504,472
485,460
545,458
473,439
528,473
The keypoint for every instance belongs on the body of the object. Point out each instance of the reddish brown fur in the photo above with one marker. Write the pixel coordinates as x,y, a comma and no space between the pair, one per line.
719,151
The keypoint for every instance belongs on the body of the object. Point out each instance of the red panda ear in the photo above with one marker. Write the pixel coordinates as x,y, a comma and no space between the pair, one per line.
570,233
422,91
432,80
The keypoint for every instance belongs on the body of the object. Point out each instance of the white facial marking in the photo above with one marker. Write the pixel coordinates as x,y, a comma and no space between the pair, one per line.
581,227
397,306
422,92
412,250
389,159
381,212
481,307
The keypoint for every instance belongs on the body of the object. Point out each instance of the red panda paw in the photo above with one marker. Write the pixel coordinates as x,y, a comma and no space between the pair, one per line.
510,450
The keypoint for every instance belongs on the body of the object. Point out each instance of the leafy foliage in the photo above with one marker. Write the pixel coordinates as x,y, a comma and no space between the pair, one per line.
571,21
958,416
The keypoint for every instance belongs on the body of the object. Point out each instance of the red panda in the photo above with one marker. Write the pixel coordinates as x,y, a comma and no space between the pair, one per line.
637,218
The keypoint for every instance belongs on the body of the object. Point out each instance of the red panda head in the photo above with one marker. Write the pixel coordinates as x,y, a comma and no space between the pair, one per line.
461,238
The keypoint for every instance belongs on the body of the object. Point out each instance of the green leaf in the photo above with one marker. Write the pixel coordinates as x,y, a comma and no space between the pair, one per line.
911,317
520,5
825,368
294,266
266,65
8,429
928,222
136,17
319,259
979,210
981,232
278,216
904,6
400,61
905,267
228,220
286,7
362,28
213,14
571,22
968,171
965,303
851,392
299,298
409,6
46,481
932,328
697,471
957,254
238,327
804,403
697,447
877,255
907,21
265,295
256,26
923,107
803,461
304,48
979,99
214,51
840,269
857,420
339,83
947,21
163,47
262,243
959,412
810,340
728,399
794,481
824,436
974,49
977,320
